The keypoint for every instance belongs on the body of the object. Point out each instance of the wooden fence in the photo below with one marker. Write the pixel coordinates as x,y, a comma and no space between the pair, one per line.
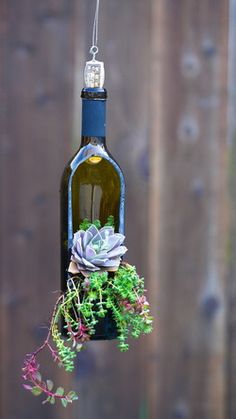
170,75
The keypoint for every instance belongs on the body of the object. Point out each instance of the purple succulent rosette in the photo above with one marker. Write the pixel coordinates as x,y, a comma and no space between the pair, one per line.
96,249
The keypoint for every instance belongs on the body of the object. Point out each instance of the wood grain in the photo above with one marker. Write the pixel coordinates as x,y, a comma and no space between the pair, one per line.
231,250
166,75
37,81
189,168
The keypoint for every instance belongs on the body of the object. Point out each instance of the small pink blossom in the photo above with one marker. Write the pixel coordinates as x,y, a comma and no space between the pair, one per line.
141,304
30,368
80,335
127,305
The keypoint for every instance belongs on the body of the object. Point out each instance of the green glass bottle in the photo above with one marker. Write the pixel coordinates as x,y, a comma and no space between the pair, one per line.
92,187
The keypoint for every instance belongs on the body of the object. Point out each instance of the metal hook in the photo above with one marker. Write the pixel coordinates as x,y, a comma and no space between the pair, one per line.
94,50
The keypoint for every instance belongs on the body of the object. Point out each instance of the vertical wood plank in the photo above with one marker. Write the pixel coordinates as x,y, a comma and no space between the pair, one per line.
189,45
3,149
231,254
37,80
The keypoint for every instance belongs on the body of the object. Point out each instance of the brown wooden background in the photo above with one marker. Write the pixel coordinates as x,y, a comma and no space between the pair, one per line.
171,78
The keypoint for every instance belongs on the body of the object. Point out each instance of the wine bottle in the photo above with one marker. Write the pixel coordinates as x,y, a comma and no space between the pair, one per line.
92,187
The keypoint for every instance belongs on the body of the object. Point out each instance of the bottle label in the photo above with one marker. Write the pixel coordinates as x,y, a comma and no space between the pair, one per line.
93,118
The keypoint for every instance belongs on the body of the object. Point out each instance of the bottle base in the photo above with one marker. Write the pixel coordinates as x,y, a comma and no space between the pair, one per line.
105,329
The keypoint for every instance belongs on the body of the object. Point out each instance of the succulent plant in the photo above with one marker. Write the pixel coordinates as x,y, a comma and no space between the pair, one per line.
96,249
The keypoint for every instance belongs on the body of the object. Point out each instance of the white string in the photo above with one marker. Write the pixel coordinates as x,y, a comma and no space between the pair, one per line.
95,26
94,48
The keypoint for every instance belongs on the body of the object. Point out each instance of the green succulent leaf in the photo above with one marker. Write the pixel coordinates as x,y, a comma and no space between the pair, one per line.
60,391
64,402
85,224
110,221
36,391
72,395
49,385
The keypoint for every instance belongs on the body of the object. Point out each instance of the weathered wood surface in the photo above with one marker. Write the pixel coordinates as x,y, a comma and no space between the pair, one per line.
231,256
166,75
188,192
37,40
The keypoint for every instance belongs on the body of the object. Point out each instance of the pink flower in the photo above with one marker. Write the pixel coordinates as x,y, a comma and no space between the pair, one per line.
30,368
126,304
80,335
141,303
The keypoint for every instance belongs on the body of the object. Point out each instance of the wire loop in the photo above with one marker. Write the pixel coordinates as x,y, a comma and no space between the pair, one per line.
93,50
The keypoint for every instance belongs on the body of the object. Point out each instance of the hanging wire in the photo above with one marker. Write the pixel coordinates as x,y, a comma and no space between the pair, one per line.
94,48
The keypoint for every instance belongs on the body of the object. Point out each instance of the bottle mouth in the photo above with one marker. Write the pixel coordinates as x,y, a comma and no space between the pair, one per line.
94,93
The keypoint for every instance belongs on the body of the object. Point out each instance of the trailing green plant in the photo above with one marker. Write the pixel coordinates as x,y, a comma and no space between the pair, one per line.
97,223
89,297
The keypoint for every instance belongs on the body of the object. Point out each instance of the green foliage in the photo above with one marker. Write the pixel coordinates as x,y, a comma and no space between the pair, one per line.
49,385
64,402
87,300
85,224
59,393
110,221
36,391
66,353
126,281
91,298
97,281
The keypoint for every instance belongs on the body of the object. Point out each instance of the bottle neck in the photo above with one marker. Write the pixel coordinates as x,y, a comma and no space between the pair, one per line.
93,121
